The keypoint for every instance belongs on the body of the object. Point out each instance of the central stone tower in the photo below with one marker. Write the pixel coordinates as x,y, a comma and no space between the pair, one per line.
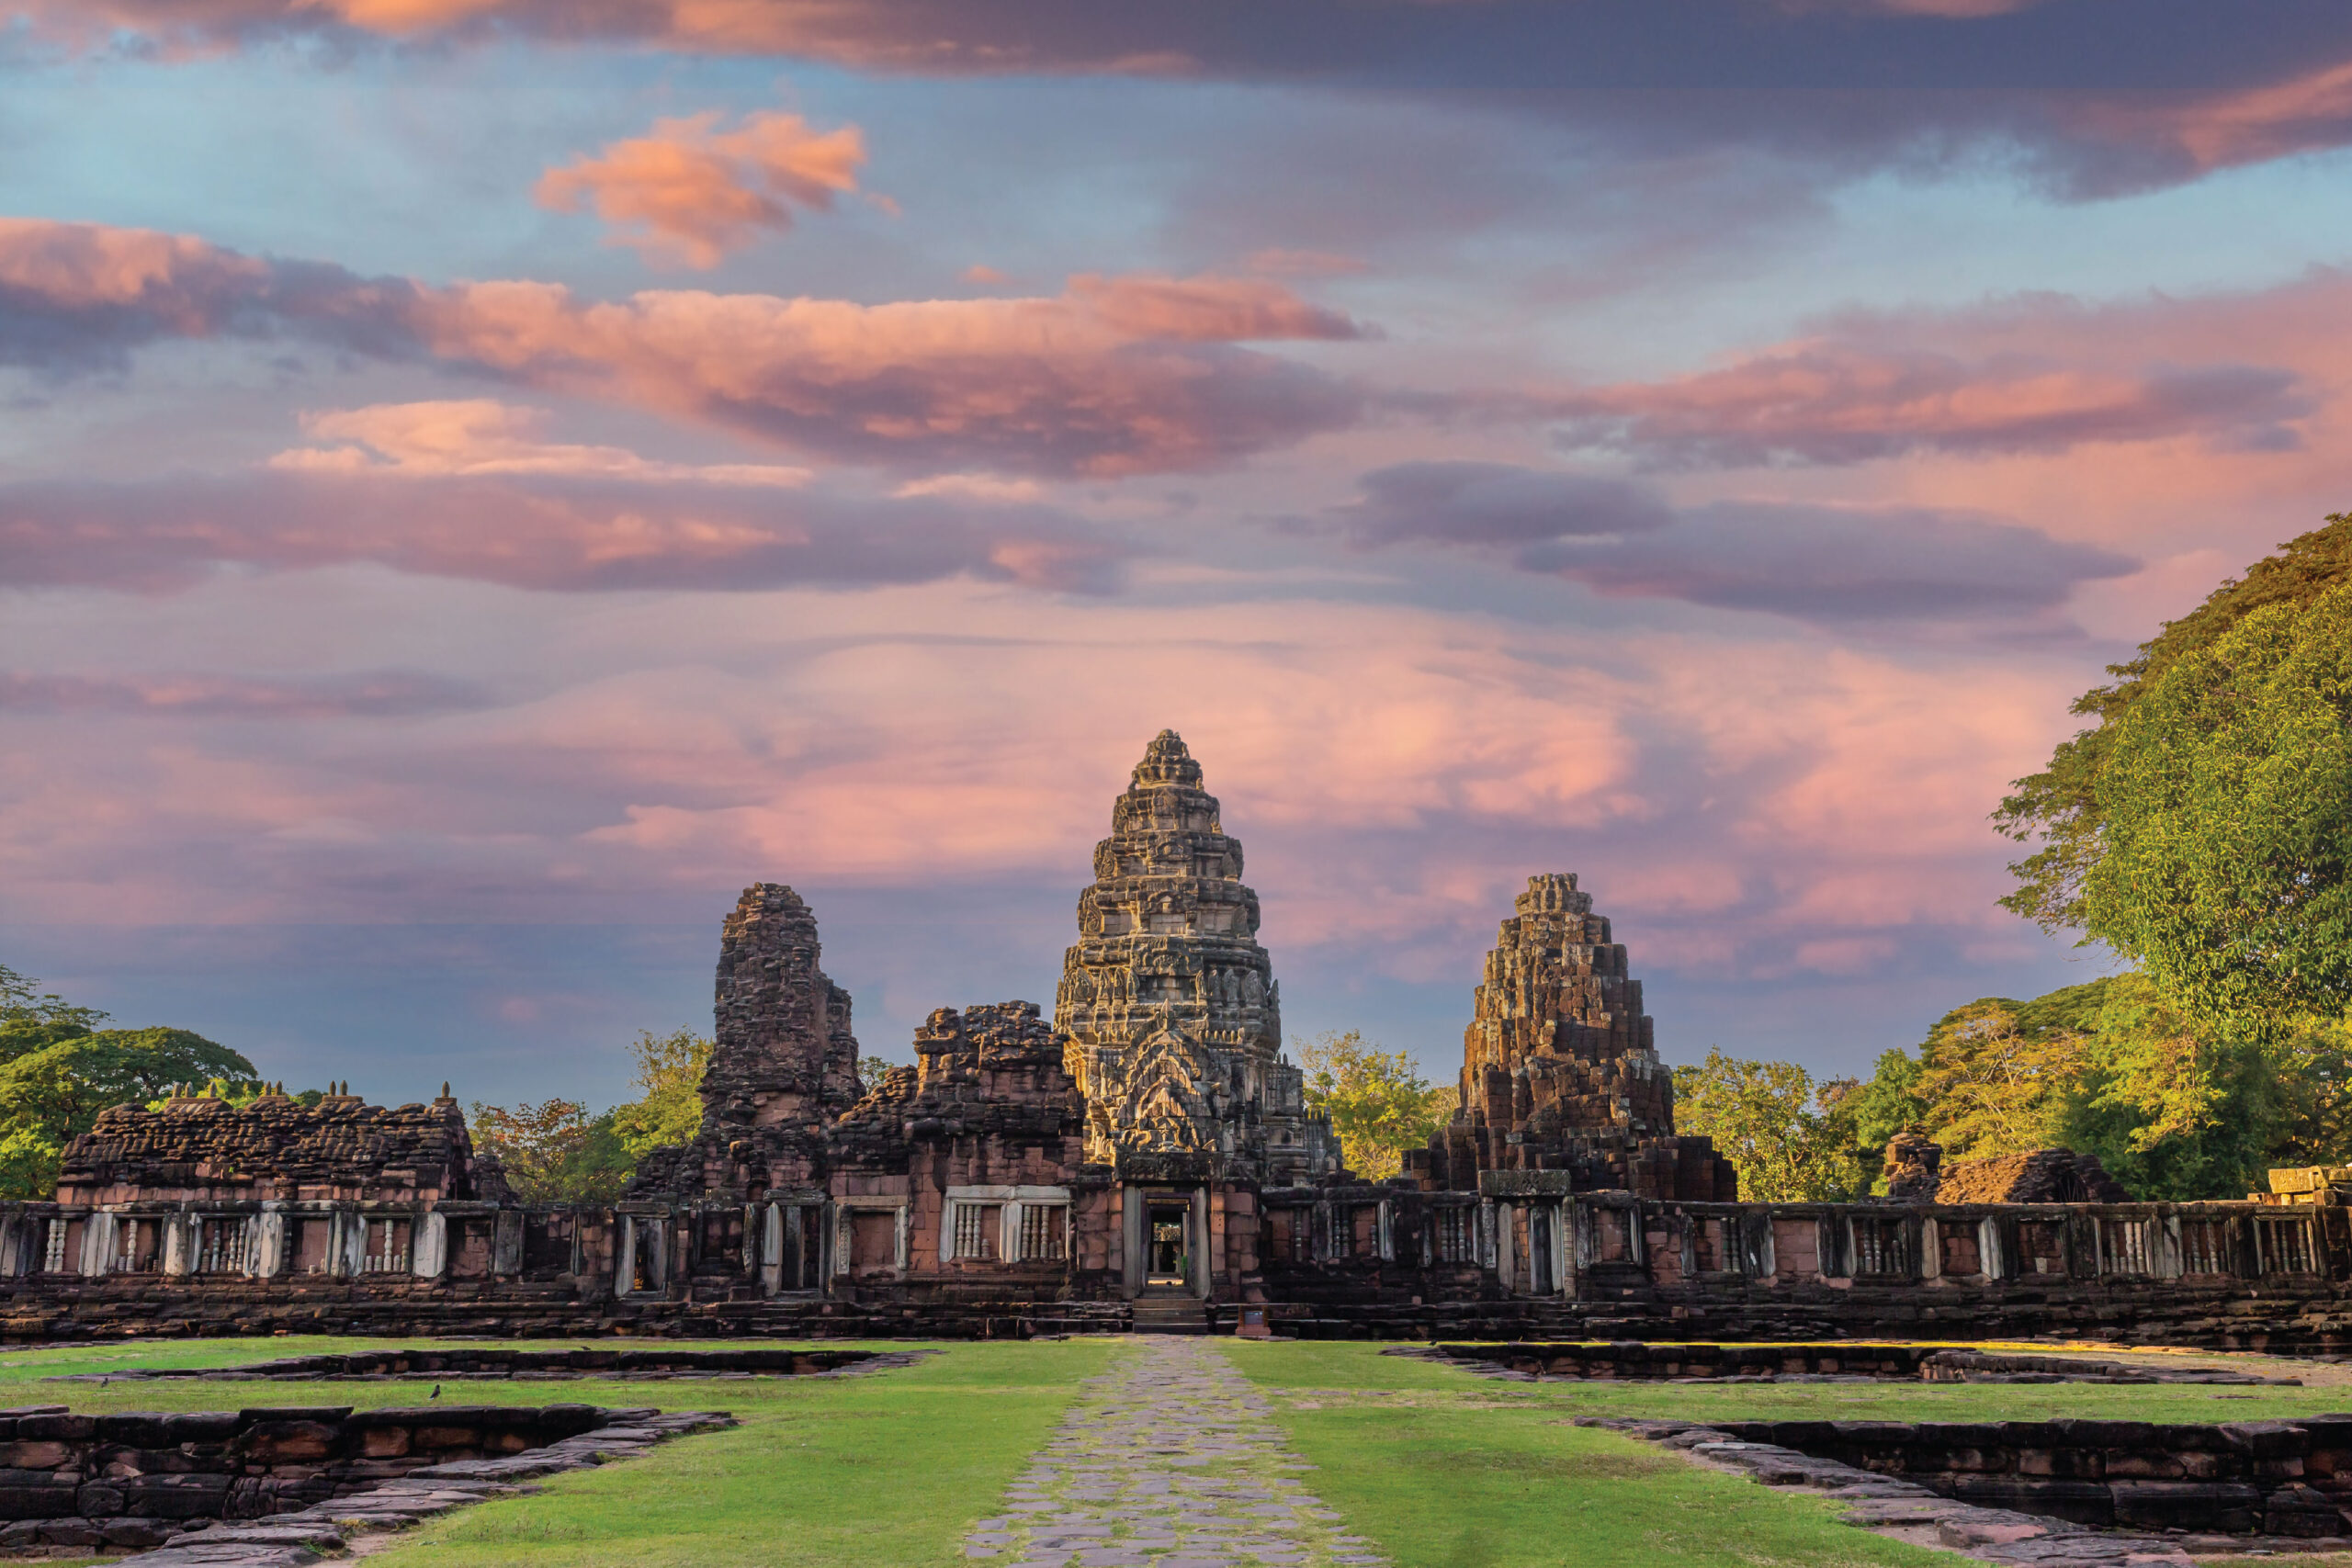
1169,1006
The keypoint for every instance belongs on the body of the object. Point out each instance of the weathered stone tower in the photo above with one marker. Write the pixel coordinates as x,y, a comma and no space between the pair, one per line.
1558,1068
1173,1018
783,1066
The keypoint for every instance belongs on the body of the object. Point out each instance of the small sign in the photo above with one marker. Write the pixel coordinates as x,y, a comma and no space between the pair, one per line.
1253,1325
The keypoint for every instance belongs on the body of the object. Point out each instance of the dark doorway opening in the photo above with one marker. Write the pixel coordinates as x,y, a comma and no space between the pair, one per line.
1170,1244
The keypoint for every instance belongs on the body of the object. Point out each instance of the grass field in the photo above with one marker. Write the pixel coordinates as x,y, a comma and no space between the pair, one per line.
864,1471
1439,1467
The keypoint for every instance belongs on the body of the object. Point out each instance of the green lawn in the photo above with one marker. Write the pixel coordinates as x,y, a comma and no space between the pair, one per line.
882,1469
1446,1469
1441,1467
1392,1380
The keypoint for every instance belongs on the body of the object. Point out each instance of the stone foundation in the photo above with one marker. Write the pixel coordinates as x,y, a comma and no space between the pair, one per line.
2288,1478
135,1480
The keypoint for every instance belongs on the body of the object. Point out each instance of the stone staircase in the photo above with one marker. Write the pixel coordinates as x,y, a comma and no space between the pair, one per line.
1175,1311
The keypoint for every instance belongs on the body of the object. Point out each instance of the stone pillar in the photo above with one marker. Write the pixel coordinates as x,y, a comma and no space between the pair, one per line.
98,1245
181,1232
252,1229
1202,1274
351,1251
771,1247
507,1242
1988,1248
429,1248
268,1255
1133,1227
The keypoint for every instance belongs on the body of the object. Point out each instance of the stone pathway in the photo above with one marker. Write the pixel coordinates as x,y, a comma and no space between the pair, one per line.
1167,1460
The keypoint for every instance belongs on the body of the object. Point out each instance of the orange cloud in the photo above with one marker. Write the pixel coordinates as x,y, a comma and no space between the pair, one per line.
692,193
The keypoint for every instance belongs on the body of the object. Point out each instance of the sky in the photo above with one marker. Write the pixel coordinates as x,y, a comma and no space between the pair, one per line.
483,482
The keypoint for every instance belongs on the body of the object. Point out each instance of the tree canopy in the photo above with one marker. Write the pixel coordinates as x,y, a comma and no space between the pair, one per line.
2061,806
2225,869
1787,1141
556,1151
58,1070
1379,1104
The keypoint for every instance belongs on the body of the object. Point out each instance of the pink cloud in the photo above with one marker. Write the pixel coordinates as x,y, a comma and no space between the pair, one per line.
476,437
1115,374
691,192
392,693
1830,400
2208,130
528,532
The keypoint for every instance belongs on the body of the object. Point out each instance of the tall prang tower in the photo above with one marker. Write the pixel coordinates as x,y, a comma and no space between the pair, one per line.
1559,1070
1170,1007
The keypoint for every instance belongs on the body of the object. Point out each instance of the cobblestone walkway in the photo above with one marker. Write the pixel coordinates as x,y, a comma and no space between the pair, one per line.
1167,1460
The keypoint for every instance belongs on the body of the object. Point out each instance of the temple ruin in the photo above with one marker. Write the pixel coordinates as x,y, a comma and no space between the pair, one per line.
1145,1158
1560,1074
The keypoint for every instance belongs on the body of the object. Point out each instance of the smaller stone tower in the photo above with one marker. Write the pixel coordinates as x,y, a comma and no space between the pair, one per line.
1558,1068
783,1066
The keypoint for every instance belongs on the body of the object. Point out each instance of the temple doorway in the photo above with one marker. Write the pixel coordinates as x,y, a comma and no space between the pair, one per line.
1167,1244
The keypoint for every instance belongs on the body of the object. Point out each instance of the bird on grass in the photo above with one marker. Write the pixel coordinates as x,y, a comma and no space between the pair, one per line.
436,1393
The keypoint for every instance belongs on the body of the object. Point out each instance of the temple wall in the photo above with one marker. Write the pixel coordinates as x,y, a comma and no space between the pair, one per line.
883,1253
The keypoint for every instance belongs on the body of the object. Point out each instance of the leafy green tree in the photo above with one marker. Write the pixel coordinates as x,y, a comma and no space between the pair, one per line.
2226,870
2060,808
1379,1104
24,1006
1768,1119
668,1108
1993,1086
52,1092
869,1073
1866,1118
554,1151
2171,1111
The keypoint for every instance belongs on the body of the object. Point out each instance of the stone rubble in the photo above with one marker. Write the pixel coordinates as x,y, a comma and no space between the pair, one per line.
1167,1460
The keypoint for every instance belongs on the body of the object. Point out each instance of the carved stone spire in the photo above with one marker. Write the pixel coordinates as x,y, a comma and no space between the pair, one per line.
1168,958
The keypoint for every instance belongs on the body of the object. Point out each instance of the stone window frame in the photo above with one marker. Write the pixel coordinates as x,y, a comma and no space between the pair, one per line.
1453,1234
2283,1245
846,1207
1010,1203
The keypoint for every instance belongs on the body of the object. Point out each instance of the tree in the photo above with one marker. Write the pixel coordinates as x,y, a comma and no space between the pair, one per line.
2226,862
51,1092
1992,1086
1379,1105
2061,806
1765,1118
869,1073
2177,1112
22,1005
554,1151
668,1108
